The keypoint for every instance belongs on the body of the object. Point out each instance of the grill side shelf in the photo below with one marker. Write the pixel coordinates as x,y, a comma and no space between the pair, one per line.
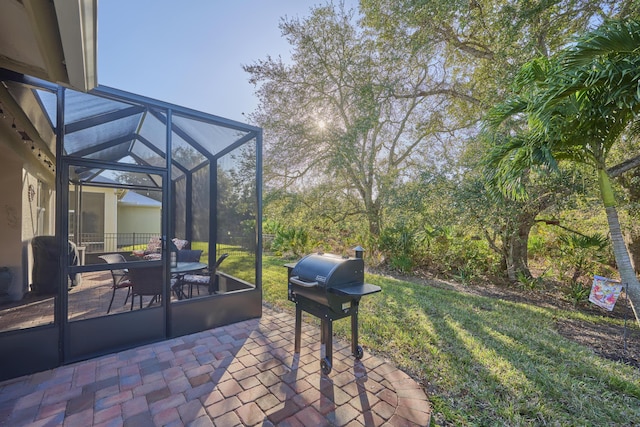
356,290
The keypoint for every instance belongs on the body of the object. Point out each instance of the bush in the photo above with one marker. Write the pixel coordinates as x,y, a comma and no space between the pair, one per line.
537,246
581,253
291,241
578,293
401,263
529,283
398,245
460,254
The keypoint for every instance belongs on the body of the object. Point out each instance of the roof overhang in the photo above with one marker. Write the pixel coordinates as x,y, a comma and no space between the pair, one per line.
52,40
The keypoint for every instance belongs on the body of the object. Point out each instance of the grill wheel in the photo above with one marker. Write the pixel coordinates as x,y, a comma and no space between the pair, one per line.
325,365
359,352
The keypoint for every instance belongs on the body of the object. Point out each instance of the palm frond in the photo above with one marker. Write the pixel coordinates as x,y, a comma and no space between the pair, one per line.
611,38
508,162
505,110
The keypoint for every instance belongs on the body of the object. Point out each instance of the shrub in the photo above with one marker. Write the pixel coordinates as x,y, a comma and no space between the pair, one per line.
529,283
537,246
578,293
291,240
398,245
582,253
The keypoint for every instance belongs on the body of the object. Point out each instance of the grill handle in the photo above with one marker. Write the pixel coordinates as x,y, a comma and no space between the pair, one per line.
296,280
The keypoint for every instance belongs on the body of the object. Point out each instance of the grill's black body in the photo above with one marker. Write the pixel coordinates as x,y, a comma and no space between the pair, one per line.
329,287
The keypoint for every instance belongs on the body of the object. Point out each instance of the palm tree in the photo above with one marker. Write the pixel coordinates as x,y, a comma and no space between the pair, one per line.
577,106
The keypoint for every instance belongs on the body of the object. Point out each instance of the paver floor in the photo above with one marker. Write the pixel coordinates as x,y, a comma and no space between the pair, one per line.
244,374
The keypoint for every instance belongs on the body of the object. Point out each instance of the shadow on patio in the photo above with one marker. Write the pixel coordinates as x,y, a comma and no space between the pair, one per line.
241,374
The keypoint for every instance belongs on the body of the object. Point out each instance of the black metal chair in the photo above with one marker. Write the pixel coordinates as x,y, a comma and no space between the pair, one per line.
146,282
189,255
207,278
120,276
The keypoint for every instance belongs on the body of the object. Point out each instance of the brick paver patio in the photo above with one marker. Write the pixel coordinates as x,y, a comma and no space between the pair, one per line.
240,375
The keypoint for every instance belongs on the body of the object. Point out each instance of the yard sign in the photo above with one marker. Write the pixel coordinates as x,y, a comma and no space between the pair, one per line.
605,292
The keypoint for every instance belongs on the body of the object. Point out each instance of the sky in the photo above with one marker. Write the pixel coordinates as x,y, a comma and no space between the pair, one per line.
191,52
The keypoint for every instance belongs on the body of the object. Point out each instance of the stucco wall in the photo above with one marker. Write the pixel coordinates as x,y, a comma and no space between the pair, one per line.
139,219
11,247
110,213
20,218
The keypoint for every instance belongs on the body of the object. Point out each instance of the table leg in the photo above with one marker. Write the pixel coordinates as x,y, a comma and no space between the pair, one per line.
177,288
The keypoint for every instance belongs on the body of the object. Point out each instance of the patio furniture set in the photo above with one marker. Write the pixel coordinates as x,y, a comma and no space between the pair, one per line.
187,273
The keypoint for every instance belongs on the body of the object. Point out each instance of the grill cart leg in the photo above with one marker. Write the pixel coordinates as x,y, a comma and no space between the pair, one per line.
298,332
326,342
356,350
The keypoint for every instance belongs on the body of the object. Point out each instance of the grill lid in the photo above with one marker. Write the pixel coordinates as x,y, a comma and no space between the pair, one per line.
328,271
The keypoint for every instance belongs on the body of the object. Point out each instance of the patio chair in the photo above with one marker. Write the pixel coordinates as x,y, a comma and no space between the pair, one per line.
189,255
208,278
146,282
120,276
154,247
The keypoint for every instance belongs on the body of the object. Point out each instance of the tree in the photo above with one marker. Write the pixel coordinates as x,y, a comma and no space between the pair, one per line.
481,45
578,105
330,117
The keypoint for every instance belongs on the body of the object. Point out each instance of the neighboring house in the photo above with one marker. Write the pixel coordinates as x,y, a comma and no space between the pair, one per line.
113,217
138,214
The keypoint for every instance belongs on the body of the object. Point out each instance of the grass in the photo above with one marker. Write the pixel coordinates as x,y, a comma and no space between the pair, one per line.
485,361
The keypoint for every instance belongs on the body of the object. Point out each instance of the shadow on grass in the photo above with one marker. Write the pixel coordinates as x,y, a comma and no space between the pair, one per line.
493,361
485,361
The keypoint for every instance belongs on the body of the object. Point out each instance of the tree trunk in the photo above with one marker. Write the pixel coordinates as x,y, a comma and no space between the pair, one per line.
634,250
508,260
373,218
623,261
520,242
515,250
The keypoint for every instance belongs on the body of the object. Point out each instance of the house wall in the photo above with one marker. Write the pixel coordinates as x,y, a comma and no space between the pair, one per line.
139,219
11,220
20,216
111,218
110,214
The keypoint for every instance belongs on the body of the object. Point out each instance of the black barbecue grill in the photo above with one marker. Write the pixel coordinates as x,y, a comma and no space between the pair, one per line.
329,287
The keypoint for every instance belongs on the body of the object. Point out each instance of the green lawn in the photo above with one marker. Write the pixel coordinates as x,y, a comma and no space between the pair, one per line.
486,361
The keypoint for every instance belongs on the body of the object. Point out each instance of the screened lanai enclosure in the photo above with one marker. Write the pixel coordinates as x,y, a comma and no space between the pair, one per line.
142,218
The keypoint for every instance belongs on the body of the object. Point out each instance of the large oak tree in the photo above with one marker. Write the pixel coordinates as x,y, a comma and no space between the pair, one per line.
335,115
483,43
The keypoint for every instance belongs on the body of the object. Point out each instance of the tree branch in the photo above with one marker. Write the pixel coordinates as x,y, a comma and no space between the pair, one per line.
450,92
449,34
620,168
556,222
